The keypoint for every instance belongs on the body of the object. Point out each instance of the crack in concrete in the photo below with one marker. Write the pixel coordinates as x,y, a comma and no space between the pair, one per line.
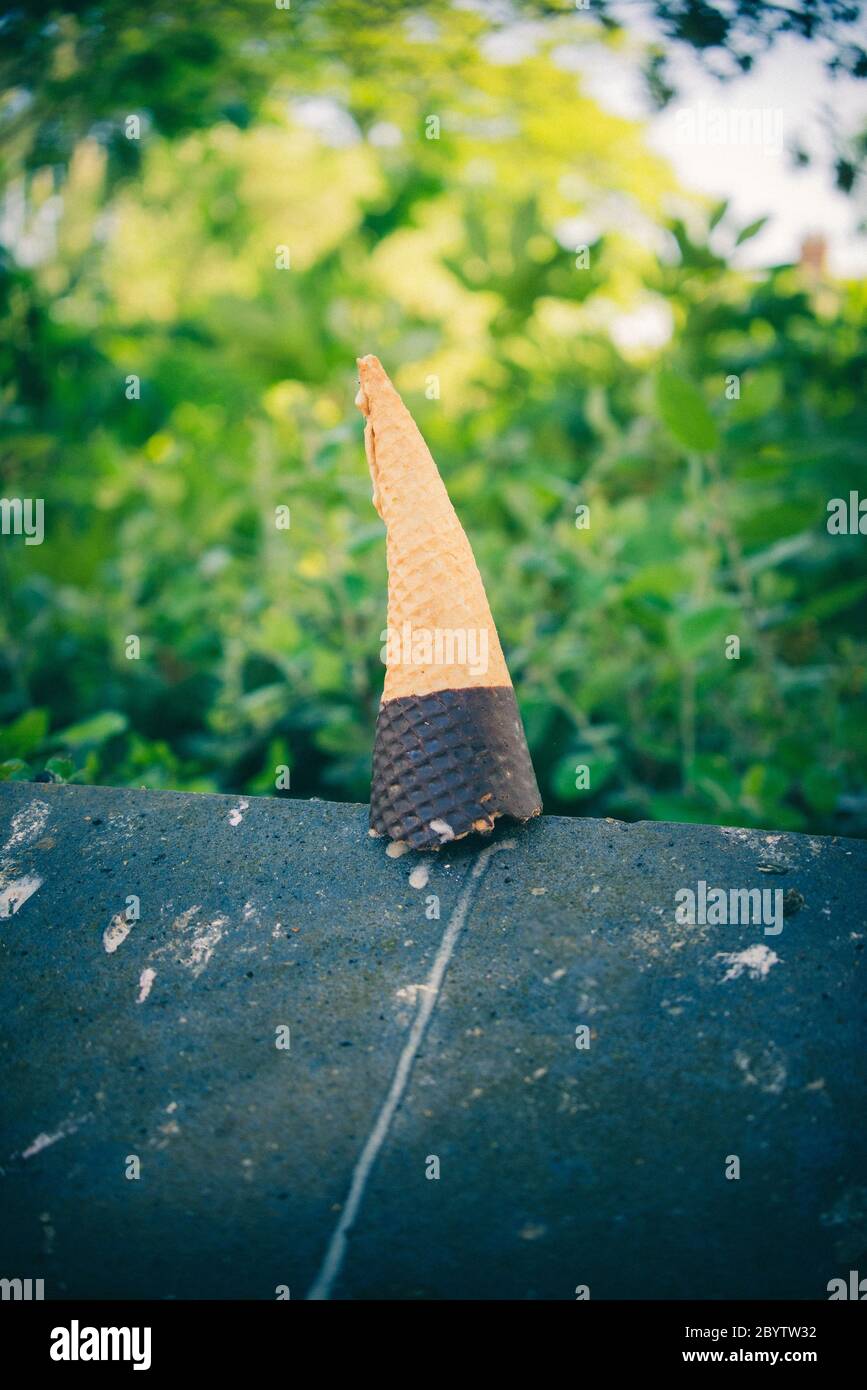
428,996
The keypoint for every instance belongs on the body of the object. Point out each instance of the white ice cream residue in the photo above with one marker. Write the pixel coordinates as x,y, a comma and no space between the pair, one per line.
419,876
757,960
13,895
116,932
145,981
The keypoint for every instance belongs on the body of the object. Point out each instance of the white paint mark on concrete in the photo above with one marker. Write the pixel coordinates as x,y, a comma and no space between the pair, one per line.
533,1231
738,832
419,876
116,932
236,815
409,993
15,888
145,983
42,1141
121,820
757,960
182,922
198,940
27,825
334,1255
14,895
45,1140
767,1070
203,945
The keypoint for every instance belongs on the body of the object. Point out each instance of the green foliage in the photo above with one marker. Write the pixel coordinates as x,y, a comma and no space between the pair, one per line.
260,645
685,413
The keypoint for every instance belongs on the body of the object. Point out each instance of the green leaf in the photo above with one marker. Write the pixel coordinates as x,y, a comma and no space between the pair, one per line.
674,808
718,213
93,732
664,580
564,776
682,409
14,770
821,788
747,233
834,601
87,775
24,735
60,768
761,393
763,785
690,633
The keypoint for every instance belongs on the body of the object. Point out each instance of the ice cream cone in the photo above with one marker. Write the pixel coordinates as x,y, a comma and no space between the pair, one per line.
450,754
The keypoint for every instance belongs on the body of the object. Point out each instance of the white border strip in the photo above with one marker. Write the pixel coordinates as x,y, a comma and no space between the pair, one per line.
428,997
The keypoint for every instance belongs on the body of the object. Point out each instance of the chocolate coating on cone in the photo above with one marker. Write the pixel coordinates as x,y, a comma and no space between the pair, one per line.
448,763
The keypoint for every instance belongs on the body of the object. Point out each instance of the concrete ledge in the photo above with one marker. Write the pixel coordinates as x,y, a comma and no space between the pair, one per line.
559,1167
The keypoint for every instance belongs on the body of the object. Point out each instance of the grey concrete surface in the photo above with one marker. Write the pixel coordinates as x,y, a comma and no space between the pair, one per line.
558,1166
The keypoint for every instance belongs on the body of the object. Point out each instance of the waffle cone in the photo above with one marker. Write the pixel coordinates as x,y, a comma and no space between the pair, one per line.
433,582
450,754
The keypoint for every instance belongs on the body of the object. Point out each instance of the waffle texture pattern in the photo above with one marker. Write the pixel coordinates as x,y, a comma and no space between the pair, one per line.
450,763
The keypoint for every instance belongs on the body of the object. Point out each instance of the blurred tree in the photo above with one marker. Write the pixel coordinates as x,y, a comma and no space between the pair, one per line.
75,69
570,333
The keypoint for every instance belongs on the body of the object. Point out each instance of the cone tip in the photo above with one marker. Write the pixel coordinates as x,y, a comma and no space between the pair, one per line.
371,375
370,370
